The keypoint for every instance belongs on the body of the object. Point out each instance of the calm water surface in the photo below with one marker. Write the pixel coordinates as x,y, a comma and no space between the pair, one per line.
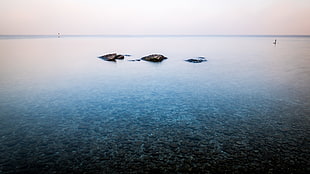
63,110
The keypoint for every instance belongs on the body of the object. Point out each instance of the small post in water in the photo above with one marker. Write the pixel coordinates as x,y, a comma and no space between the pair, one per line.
275,42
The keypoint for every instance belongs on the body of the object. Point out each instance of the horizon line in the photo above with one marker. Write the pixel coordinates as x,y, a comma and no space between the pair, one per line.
153,35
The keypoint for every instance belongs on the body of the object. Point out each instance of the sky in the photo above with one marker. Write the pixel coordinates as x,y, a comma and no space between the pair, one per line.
155,17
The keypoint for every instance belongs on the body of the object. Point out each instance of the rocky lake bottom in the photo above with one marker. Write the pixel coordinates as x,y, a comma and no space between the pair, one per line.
212,141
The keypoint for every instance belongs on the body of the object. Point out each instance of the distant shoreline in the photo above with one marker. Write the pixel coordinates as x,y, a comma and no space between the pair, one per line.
110,36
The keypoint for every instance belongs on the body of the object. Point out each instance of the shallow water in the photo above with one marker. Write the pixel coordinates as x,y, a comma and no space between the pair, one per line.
63,110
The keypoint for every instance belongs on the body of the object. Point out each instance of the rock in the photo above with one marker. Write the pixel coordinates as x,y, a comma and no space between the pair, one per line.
197,60
239,142
112,57
119,57
173,145
154,58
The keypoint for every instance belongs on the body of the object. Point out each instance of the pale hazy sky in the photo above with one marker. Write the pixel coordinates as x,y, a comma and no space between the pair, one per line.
155,17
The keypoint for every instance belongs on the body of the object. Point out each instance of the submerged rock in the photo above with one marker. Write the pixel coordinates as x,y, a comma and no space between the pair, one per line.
197,60
112,57
154,58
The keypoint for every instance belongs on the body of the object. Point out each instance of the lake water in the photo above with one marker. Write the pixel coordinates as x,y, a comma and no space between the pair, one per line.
63,110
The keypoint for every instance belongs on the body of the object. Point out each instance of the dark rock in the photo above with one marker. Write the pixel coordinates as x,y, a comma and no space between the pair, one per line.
154,58
119,57
196,60
173,145
112,57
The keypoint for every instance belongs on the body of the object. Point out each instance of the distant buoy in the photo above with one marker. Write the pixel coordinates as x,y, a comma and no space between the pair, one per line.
275,42
58,35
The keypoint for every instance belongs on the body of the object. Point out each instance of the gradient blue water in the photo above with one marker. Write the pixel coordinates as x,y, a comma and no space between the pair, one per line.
54,90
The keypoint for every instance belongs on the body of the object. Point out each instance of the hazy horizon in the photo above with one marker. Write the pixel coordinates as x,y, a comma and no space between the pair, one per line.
149,35
137,17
